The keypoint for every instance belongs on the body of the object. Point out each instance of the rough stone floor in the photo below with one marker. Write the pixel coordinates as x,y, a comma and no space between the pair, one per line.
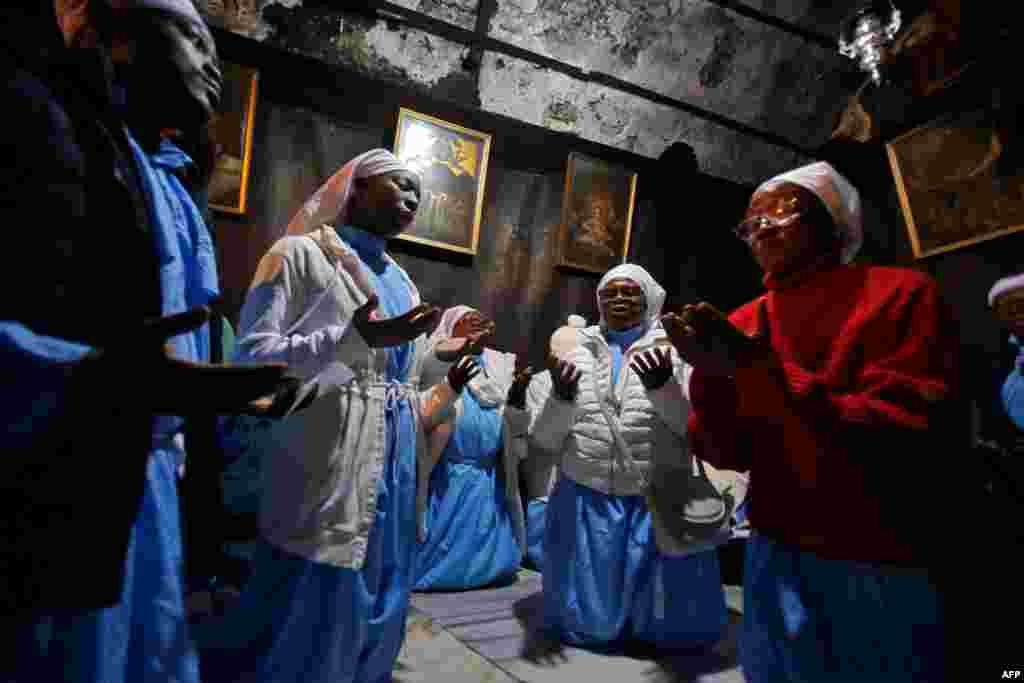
490,636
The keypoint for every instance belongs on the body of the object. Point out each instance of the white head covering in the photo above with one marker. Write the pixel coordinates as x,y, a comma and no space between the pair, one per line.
332,202
654,294
837,194
489,387
1004,285
181,8
449,319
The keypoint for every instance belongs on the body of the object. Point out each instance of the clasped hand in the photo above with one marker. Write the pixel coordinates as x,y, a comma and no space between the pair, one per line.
707,340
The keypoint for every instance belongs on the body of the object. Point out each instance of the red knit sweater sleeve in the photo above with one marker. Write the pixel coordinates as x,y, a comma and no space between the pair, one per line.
908,371
908,362
714,428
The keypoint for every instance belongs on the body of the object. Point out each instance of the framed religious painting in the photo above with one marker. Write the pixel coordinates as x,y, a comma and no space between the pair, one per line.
238,16
959,182
232,128
597,214
452,163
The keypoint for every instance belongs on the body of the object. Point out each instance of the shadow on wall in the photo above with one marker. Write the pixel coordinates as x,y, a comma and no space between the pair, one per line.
696,214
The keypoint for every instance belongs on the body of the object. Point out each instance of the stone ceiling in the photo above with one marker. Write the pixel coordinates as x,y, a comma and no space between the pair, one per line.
754,66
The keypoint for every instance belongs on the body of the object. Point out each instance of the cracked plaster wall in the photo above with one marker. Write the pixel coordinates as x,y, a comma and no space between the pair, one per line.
519,89
394,53
690,50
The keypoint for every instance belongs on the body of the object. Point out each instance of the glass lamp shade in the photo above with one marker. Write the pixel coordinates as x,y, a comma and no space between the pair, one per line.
866,34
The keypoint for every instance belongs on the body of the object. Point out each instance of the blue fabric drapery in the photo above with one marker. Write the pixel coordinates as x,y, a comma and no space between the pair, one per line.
470,541
299,621
33,364
536,522
145,637
197,258
1012,392
808,619
605,581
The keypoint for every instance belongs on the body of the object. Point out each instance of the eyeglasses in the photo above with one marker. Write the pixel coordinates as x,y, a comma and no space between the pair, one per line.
609,293
753,225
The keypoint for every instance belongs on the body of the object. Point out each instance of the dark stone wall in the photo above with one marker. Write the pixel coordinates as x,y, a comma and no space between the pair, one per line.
307,125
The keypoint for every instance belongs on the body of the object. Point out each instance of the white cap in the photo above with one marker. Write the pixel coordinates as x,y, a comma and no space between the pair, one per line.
838,195
1006,284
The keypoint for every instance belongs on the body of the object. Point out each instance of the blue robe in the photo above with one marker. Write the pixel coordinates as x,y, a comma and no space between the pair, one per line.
33,360
300,621
1012,392
471,541
145,636
605,581
806,618
536,522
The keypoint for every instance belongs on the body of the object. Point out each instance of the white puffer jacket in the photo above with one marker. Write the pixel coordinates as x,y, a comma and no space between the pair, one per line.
652,423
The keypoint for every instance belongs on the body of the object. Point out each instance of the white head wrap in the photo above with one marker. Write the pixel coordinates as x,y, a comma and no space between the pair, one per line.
332,202
1004,285
180,8
489,387
654,294
837,194
449,319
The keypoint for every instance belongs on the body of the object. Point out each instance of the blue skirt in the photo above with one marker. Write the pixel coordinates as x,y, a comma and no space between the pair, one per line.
471,541
299,621
606,583
536,516
145,637
808,619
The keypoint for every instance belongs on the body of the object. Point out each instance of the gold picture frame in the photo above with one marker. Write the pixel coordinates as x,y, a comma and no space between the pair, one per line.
452,163
952,192
232,128
597,214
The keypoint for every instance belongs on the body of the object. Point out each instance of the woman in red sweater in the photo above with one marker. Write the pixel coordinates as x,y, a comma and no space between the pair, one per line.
838,390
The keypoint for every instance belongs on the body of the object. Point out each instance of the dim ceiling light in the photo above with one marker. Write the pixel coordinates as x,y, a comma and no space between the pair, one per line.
866,34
